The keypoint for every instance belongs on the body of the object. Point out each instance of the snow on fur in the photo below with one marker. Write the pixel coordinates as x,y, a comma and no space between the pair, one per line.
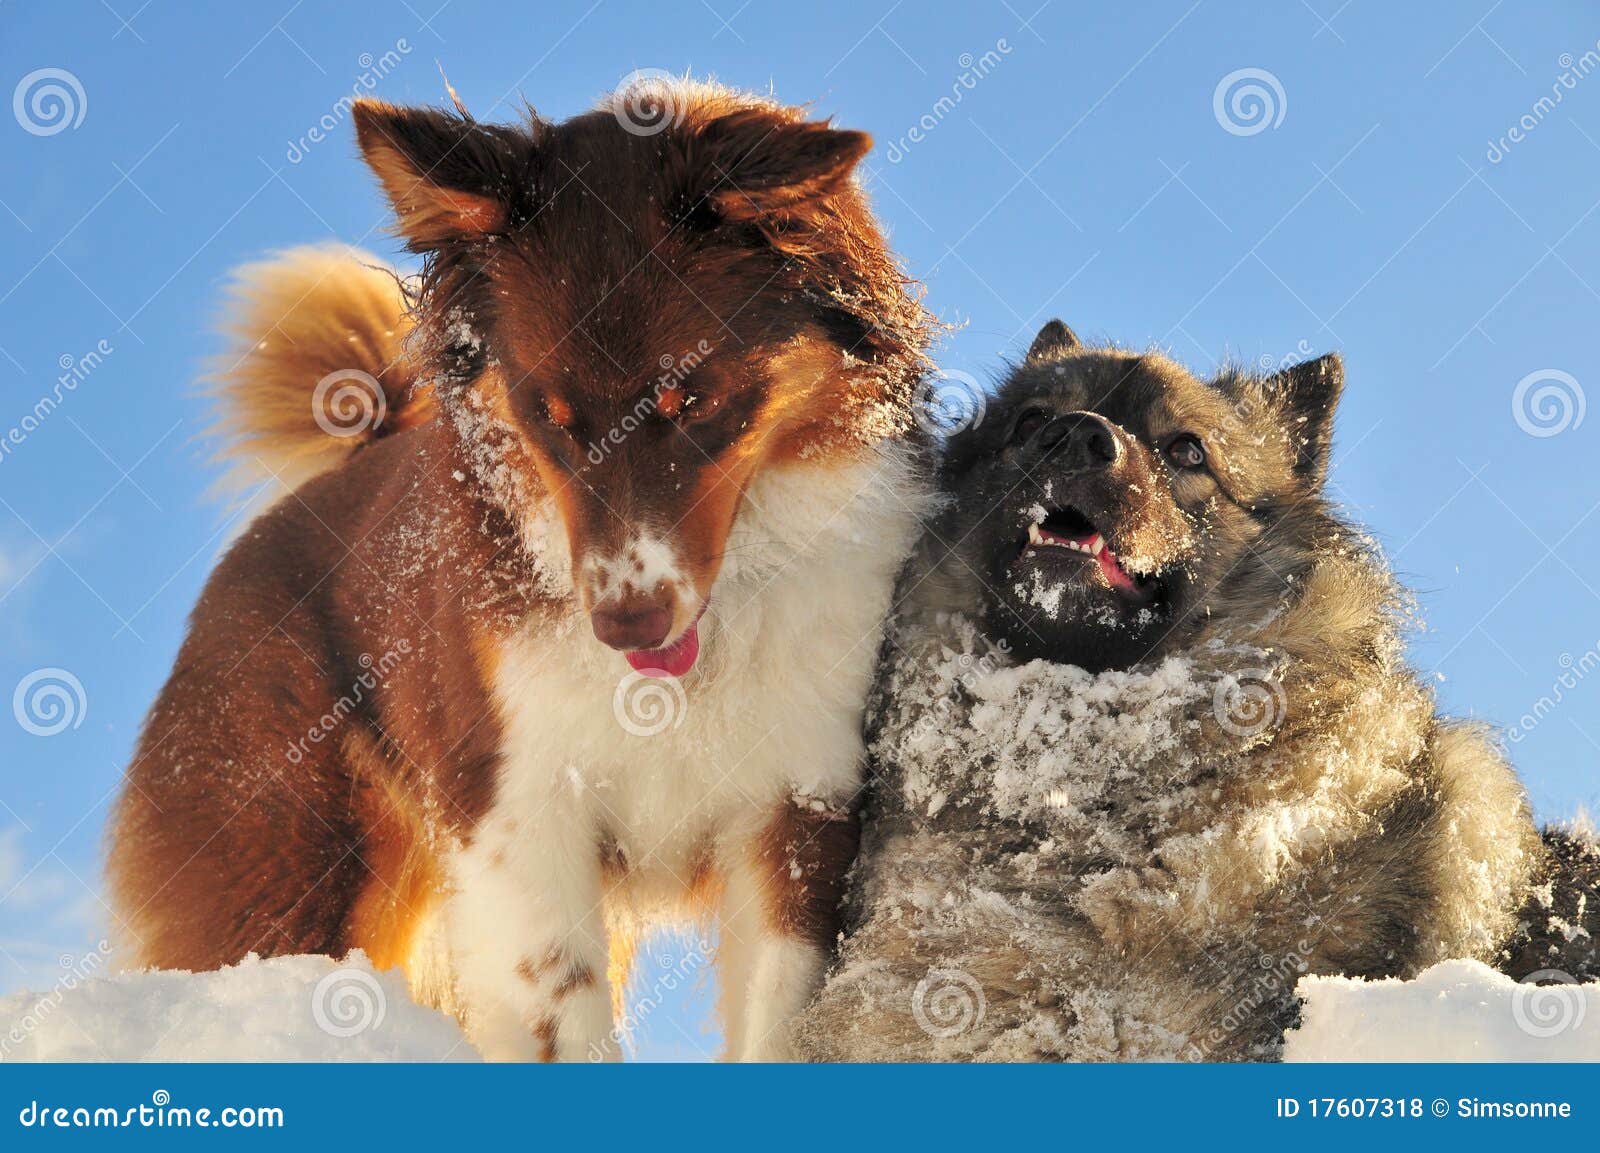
1134,864
1036,741
1454,1011
307,1008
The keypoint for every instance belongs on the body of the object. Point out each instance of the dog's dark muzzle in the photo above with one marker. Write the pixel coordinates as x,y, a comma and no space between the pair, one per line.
1078,442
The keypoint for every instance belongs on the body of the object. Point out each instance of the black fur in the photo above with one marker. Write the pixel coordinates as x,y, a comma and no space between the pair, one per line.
1559,930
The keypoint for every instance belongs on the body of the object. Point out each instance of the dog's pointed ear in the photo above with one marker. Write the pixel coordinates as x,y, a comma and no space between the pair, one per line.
752,162
1053,339
1307,394
447,177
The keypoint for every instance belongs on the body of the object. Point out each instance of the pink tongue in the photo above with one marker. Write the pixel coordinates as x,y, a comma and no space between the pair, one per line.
1116,576
672,661
1114,572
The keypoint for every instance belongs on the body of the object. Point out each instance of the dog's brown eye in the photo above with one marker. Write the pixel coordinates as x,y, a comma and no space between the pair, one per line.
700,407
1186,452
685,407
1027,424
671,402
559,413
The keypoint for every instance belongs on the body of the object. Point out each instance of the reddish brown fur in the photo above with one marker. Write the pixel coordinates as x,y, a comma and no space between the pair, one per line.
578,977
405,878
291,322
804,855
738,230
545,1031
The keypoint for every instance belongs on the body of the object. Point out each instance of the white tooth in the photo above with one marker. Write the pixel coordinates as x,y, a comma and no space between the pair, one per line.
1097,545
1034,535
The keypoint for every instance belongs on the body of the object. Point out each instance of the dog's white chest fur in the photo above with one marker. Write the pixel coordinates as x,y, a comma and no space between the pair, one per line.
773,705
668,773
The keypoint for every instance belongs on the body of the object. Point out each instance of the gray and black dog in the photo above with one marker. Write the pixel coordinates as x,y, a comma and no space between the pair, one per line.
1146,749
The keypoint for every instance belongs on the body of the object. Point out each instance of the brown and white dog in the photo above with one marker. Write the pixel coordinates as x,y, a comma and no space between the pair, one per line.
566,624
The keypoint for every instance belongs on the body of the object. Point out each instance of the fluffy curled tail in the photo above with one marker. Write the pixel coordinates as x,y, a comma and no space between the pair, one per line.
316,365
1559,935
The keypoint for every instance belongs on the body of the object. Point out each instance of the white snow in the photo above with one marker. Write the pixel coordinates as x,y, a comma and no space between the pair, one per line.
1455,1011
315,1008
308,1008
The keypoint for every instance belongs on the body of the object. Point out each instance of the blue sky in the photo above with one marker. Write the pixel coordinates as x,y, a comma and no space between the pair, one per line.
1078,160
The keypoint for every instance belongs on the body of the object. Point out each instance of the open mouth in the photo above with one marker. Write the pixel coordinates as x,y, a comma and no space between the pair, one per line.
673,661
1069,531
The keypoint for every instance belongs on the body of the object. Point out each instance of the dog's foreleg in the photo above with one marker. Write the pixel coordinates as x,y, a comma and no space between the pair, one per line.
528,945
742,931
784,895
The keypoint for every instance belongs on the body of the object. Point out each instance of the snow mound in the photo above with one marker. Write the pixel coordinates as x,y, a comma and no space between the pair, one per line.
1455,1011
308,1008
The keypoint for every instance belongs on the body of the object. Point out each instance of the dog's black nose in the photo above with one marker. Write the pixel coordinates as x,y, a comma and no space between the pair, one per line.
1079,440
